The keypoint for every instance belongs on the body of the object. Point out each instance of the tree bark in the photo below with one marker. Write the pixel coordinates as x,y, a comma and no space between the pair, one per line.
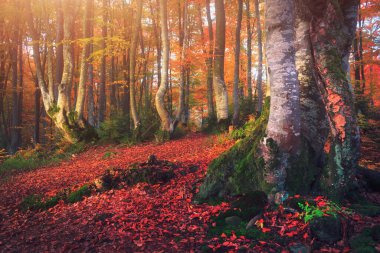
160,95
259,85
284,125
134,43
103,75
59,48
79,107
210,92
219,85
249,51
235,119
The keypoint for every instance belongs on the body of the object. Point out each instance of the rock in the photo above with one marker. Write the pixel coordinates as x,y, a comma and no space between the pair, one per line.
233,220
326,229
299,248
252,222
152,159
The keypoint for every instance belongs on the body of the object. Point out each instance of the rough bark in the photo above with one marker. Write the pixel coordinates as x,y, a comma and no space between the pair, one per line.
132,62
284,124
259,81
220,89
236,101
160,95
332,29
314,122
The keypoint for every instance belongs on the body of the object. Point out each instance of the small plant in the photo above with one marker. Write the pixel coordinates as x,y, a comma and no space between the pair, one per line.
109,154
322,207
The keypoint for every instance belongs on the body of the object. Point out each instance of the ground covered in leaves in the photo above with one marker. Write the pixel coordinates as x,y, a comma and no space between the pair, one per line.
147,215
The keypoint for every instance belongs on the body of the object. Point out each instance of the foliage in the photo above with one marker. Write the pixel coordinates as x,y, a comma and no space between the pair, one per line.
39,156
114,129
323,207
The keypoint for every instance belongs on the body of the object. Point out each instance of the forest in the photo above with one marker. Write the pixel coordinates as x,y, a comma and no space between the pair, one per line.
190,126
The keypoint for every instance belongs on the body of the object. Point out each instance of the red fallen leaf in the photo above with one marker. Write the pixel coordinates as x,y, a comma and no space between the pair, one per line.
265,230
262,242
214,224
318,198
321,203
233,237
291,234
223,235
305,236
297,196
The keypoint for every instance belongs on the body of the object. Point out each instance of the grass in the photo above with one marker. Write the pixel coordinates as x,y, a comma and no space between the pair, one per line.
29,159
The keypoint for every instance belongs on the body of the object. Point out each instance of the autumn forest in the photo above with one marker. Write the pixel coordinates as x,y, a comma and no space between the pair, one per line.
190,126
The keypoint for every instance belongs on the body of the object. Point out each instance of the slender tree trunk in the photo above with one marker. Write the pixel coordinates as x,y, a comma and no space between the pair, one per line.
284,125
79,107
209,61
103,75
249,51
219,85
132,62
235,119
59,48
180,117
360,44
357,63
90,72
160,95
259,85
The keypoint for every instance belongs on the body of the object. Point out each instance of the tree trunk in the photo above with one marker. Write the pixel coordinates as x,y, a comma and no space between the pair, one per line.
160,95
180,117
59,48
79,107
219,85
132,59
259,81
103,75
235,119
210,92
249,52
333,28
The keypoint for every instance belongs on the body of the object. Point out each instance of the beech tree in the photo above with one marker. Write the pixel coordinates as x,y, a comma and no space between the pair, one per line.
219,86
237,64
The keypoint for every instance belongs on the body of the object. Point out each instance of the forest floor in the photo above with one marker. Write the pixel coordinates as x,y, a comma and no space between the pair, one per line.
139,218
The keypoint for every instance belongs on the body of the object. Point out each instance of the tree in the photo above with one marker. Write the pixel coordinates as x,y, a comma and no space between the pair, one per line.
237,64
259,86
249,51
219,86
160,95
103,75
79,107
132,59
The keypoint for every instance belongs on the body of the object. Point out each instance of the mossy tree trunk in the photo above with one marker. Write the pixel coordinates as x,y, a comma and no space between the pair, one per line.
332,30
324,32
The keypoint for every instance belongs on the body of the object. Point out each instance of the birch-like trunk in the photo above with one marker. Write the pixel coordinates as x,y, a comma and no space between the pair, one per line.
160,95
210,92
220,89
284,125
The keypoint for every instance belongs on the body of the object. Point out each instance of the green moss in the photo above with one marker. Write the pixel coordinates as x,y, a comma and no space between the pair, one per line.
78,195
240,169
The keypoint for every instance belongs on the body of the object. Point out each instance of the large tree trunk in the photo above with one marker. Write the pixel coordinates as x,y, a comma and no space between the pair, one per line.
284,125
132,59
333,27
235,119
259,85
219,85
160,95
